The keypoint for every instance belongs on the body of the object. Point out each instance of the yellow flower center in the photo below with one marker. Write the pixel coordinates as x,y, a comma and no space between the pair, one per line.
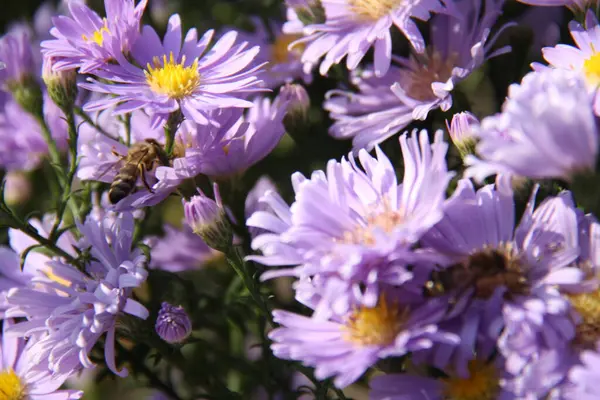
482,384
98,35
372,10
424,70
11,387
588,307
378,325
591,68
172,78
384,220
279,49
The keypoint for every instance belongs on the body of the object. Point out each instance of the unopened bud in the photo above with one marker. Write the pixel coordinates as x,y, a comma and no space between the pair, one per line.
462,134
62,85
308,11
17,188
297,102
173,325
208,219
28,94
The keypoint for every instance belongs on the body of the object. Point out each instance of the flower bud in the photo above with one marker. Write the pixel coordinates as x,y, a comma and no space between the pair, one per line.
62,85
297,103
17,188
461,132
173,325
308,11
28,94
208,220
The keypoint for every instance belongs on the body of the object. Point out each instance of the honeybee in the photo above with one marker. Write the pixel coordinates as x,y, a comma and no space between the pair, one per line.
142,157
484,272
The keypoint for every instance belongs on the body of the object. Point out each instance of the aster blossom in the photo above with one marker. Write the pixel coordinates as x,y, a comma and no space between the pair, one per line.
515,300
74,309
228,148
547,129
345,347
87,41
352,228
20,379
169,77
413,87
352,27
16,47
584,58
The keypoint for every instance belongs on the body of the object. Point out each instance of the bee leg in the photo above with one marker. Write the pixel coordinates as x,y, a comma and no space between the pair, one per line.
144,181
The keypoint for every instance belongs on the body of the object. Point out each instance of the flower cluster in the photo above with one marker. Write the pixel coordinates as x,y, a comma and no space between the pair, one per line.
152,231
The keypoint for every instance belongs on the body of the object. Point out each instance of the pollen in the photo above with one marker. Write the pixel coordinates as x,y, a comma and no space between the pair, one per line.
280,52
98,35
172,78
11,387
372,10
482,384
377,325
591,68
385,220
588,307
424,70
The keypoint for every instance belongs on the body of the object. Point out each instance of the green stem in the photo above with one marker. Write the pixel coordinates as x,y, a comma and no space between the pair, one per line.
52,149
67,199
79,111
239,266
170,129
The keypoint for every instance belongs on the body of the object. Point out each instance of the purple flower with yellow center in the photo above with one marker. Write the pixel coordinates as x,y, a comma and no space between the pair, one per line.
483,382
502,280
87,41
584,58
547,129
351,227
167,76
237,141
352,27
19,63
73,309
22,380
22,145
282,64
421,82
345,347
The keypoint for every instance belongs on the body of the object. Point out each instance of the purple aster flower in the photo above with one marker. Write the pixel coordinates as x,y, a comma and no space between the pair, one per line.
253,203
585,376
168,76
179,250
352,27
483,382
239,141
352,228
87,41
282,64
21,379
547,129
422,82
504,280
347,346
76,308
583,59
22,145
242,140
173,325
17,54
